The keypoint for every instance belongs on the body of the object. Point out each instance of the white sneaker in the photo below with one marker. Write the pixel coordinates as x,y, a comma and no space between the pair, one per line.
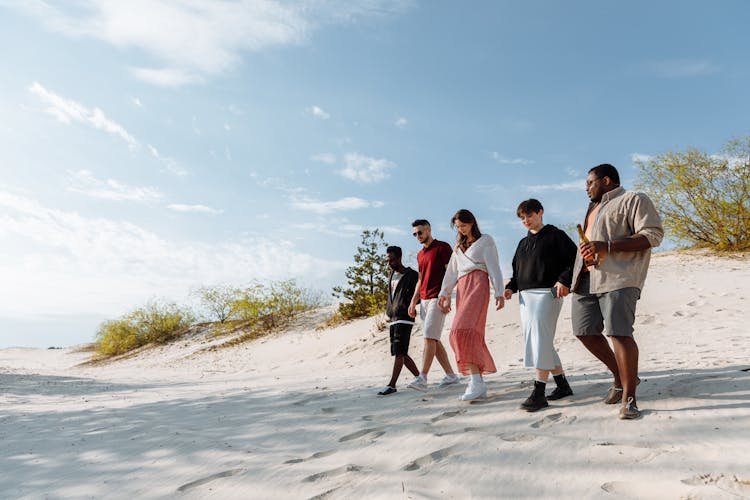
419,383
449,380
474,392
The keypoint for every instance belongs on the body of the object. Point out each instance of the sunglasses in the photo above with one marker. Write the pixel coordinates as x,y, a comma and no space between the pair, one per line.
417,233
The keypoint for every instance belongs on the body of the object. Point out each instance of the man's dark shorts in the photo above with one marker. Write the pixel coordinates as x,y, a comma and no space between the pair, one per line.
400,336
592,313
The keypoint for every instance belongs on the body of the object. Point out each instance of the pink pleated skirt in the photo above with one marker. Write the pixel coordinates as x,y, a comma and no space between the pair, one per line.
467,330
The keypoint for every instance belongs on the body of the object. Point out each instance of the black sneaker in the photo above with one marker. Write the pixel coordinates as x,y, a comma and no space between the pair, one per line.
536,401
388,390
560,392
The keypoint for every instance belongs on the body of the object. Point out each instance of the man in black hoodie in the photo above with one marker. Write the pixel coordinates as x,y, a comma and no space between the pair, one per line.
401,285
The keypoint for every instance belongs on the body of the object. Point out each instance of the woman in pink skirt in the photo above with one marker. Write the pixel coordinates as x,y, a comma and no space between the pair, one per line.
473,265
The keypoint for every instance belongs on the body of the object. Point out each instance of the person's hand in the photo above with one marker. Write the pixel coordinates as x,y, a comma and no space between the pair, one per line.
499,303
412,310
562,290
444,303
508,294
593,251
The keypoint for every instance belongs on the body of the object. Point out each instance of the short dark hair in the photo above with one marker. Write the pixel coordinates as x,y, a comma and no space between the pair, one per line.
607,170
420,222
529,206
394,250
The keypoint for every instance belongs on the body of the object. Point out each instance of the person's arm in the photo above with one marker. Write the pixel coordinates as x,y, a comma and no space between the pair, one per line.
512,286
648,232
492,261
415,297
449,282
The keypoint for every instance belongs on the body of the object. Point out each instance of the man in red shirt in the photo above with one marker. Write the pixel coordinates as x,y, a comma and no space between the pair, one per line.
432,261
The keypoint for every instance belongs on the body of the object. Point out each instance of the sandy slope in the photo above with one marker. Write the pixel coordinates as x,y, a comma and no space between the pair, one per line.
296,416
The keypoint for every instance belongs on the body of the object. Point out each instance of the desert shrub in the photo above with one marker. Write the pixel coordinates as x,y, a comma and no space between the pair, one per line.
275,304
152,323
704,199
218,301
367,290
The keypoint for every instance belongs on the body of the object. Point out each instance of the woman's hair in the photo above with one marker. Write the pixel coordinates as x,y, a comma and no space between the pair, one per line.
530,206
466,217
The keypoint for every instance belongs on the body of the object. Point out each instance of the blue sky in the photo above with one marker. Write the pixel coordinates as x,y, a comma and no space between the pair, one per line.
148,147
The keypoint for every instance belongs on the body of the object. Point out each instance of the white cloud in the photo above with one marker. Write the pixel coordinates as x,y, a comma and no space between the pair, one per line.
681,68
401,122
510,161
365,170
201,209
204,37
318,112
577,185
68,111
63,263
328,158
170,164
137,102
327,207
165,77
84,182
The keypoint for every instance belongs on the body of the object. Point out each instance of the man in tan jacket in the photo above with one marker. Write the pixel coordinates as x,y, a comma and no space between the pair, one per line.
622,227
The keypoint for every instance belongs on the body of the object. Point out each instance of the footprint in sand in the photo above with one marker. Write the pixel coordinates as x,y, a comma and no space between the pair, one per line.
515,438
444,415
433,457
551,419
726,482
459,431
208,479
323,495
376,433
320,454
333,472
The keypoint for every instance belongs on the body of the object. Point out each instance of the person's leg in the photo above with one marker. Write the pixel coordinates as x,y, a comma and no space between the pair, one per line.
626,353
398,363
430,349
588,325
442,356
599,347
411,365
618,308
542,375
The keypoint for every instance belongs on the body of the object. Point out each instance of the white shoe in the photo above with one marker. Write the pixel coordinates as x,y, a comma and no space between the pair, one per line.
419,383
474,392
449,380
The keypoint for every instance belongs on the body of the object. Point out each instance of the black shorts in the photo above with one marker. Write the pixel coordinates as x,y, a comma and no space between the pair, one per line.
400,336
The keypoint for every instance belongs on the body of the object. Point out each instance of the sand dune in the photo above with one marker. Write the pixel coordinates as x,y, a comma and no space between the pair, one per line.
295,415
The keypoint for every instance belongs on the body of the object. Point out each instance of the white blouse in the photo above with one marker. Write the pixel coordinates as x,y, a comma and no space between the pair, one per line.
481,255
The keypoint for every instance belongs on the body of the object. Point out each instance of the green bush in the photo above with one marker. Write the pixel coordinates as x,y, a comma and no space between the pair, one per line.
153,323
275,304
703,198
218,301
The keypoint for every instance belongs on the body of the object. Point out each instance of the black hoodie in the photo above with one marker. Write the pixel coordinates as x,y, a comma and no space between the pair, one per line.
543,259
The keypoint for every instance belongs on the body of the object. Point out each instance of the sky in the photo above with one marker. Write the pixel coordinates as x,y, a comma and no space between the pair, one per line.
151,147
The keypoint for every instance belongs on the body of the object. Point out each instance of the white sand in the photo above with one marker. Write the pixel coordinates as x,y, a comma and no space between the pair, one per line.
296,416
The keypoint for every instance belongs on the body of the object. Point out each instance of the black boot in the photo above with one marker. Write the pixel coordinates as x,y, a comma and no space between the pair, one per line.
537,400
562,390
